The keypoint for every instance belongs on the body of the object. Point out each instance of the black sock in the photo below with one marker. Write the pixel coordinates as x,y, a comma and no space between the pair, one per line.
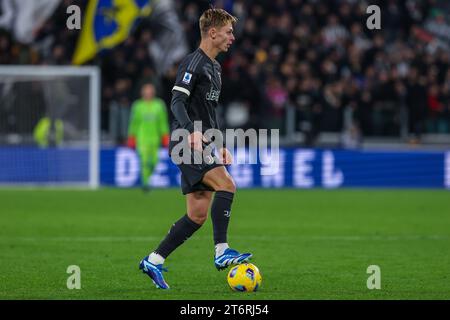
178,233
220,215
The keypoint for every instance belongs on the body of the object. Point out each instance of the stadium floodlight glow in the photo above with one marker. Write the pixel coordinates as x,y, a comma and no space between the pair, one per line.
70,97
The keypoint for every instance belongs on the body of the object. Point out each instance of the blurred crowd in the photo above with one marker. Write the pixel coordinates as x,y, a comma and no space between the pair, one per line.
298,65
319,58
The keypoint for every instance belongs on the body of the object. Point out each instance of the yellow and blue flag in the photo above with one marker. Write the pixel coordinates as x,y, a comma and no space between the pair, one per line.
108,23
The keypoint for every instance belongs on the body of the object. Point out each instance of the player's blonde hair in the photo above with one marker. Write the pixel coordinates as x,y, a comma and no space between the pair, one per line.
215,18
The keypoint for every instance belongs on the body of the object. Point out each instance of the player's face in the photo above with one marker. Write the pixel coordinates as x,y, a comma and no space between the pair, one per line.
148,92
224,37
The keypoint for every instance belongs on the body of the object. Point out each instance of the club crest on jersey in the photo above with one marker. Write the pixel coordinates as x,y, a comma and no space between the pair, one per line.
187,77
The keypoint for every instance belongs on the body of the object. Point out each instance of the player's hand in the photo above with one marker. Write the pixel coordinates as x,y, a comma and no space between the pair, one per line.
227,158
131,142
196,140
165,140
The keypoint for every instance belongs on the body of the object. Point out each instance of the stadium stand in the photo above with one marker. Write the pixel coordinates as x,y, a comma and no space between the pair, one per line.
306,67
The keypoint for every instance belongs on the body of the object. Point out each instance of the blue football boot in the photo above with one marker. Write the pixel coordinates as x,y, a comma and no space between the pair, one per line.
230,257
154,272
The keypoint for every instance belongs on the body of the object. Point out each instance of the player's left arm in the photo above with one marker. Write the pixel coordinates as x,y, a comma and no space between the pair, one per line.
133,127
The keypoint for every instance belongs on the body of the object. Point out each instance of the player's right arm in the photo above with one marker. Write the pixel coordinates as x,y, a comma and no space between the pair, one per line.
181,91
163,124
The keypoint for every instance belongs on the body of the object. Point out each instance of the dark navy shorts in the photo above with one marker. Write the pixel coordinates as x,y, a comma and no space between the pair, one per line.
192,174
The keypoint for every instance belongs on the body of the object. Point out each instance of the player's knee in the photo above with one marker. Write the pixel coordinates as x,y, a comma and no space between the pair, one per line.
198,215
228,185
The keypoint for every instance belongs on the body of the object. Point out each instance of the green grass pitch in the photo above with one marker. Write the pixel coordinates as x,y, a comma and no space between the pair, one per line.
308,244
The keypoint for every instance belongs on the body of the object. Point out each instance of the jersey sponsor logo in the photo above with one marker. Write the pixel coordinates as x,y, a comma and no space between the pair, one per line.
213,95
187,77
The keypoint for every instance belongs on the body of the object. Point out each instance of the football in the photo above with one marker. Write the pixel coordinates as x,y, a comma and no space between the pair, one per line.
244,277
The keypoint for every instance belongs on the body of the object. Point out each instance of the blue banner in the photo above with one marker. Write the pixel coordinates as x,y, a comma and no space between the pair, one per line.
23,165
294,168
300,168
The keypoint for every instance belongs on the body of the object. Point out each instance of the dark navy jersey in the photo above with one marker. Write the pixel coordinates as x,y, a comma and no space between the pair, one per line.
199,77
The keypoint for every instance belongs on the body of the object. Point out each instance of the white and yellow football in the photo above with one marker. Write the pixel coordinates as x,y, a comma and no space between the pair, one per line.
244,277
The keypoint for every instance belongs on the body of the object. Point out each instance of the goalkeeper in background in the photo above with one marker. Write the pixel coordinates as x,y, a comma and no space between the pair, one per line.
147,130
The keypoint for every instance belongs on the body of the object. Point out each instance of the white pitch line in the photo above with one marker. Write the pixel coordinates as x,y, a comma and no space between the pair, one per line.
252,238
